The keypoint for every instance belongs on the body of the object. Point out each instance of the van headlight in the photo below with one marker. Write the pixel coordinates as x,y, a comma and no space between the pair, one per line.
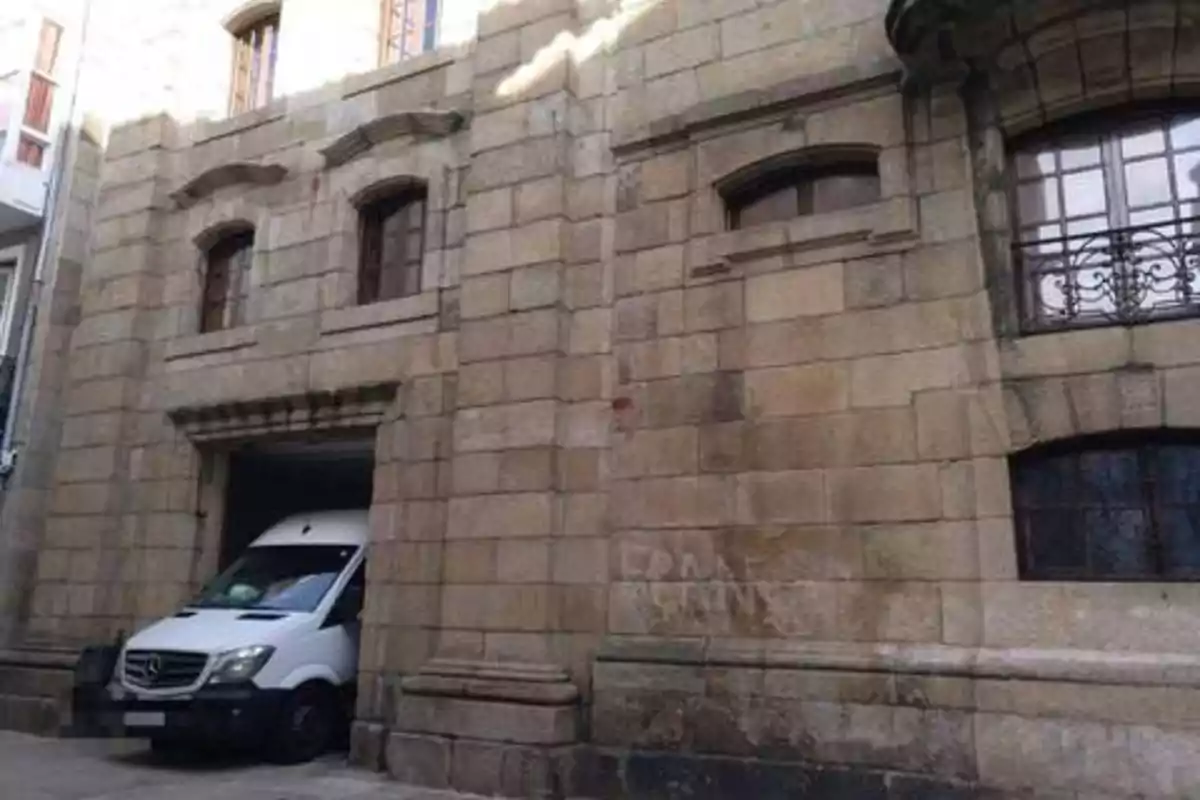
240,665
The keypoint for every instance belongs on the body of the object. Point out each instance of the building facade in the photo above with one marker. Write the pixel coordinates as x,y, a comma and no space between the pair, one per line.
750,397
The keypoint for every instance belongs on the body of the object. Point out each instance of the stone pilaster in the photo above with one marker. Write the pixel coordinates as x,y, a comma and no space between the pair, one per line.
495,712
84,582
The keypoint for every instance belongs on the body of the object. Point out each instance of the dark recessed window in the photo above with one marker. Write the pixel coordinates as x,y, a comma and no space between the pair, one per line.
391,246
255,48
800,191
226,282
1115,509
1108,220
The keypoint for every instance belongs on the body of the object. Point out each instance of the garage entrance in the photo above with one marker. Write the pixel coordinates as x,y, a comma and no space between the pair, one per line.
271,480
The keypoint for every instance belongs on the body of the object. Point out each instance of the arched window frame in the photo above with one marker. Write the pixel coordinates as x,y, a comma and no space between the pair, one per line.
392,223
1116,507
820,180
227,258
1105,210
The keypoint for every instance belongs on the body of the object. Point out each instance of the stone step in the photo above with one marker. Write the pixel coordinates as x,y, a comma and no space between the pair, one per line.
40,716
35,690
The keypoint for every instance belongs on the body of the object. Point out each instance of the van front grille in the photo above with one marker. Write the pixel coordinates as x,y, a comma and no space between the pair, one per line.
163,669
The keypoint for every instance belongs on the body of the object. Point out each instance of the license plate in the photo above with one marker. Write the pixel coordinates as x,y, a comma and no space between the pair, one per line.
145,719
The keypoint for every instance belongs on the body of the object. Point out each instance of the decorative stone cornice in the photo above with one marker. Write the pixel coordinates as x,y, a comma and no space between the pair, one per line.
405,123
225,175
360,406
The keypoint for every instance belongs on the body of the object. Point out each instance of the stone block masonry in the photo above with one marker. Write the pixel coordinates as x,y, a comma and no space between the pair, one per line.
669,499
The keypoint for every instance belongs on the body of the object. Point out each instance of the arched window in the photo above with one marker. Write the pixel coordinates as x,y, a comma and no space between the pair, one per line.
1117,508
255,47
226,280
391,244
1106,213
800,184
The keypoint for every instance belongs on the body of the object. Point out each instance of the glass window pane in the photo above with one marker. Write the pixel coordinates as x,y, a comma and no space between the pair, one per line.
1110,477
1047,483
39,103
1033,165
774,207
1079,154
1179,537
1055,543
1187,176
1038,201
1152,216
47,49
1143,142
1185,132
838,192
1147,183
1042,239
1088,225
1085,193
1118,542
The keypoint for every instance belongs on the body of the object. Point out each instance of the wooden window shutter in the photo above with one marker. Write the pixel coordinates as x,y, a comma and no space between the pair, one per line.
239,92
254,52
47,51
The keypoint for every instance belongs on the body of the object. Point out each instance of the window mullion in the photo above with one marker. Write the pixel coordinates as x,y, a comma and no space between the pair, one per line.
1114,182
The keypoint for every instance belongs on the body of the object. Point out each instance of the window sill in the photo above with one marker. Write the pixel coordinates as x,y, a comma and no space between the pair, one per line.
202,344
380,315
876,223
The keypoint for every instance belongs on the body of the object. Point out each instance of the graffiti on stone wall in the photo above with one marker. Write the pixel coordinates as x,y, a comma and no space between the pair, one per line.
685,592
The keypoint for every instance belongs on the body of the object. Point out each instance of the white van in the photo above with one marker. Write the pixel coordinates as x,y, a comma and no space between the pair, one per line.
267,654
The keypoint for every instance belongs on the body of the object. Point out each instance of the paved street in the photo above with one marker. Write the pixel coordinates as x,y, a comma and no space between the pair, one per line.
49,769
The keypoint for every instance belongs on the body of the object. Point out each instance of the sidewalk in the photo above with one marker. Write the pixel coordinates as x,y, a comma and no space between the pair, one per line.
58,769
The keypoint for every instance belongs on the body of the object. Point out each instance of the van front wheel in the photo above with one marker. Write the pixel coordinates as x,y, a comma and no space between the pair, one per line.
305,727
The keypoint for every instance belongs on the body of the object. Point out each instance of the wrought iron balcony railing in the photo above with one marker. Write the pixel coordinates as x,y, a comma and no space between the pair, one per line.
1114,277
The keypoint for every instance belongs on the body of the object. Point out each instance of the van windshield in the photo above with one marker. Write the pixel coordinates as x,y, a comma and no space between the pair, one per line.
273,578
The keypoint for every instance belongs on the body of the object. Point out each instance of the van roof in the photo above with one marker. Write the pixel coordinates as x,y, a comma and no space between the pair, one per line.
317,527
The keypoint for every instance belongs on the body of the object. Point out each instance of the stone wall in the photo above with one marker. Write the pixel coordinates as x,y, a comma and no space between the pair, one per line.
748,488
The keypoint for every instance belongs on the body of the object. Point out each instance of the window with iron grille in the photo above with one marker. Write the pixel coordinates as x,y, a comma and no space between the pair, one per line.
408,28
1117,508
802,190
255,48
226,282
391,246
1108,220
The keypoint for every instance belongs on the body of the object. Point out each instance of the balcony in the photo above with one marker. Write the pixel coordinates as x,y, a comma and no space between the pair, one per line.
1115,277
934,37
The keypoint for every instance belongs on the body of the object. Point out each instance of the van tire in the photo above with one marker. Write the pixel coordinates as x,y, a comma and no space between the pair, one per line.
306,725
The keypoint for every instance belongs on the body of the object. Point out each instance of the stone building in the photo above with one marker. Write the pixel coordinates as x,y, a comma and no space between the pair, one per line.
751,396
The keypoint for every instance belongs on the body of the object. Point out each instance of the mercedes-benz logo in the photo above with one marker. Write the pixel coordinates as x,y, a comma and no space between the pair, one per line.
153,666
